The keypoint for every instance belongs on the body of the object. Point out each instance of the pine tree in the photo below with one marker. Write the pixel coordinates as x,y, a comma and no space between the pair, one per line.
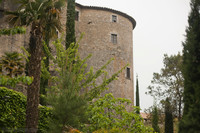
168,117
155,119
70,24
137,95
190,122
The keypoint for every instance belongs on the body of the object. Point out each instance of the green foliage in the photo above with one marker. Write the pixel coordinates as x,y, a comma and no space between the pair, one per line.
169,128
169,83
70,24
155,119
11,64
13,111
110,113
190,122
114,130
137,95
8,81
73,87
70,61
36,14
67,104
13,31
45,113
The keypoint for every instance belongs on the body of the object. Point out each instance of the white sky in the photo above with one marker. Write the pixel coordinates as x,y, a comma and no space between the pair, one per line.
160,29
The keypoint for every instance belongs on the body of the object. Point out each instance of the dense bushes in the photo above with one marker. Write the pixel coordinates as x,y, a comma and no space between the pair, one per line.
13,111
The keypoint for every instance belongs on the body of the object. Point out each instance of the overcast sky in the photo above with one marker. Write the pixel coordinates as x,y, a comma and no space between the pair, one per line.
160,29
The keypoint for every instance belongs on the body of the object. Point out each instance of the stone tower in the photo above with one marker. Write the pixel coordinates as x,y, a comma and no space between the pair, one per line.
108,34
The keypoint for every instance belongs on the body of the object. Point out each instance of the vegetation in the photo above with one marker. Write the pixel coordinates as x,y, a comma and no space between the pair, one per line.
11,64
137,95
155,119
70,24
169,128
110,113
74,87
190,122
13,112
35,14
169,83
13,31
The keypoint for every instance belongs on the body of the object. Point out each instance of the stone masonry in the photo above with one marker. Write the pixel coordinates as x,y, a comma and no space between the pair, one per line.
98,27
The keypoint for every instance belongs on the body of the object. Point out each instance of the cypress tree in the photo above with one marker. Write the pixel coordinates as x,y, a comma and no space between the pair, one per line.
137,95
155,119
190,122
70,23
168,117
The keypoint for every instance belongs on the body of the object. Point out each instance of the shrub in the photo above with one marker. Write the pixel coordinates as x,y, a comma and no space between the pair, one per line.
114,130
111,114
12,109
13,112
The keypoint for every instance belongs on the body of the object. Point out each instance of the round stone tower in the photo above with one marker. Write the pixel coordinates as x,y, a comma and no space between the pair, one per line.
108,34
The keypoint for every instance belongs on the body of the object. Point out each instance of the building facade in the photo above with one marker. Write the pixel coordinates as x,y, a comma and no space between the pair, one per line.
107,34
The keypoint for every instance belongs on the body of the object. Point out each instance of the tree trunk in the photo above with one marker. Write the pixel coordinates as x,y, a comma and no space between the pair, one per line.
34,70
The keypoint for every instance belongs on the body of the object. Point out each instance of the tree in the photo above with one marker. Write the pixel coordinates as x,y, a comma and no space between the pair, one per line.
168,117
109,112
155,119
70,24
169,83
34,14
51,32
190,122
137,95
73,87
11,64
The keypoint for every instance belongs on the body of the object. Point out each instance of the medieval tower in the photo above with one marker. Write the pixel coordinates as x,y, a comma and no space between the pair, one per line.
108,34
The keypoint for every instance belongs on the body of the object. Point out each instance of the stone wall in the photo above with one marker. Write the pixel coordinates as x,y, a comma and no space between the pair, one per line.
97,25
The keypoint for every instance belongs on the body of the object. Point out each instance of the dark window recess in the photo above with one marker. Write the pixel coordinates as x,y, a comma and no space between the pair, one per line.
114,18
128,73
1,13
114,38
77,16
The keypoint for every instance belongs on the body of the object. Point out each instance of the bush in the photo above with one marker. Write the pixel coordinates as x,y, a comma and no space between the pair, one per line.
12,109
114,130
13,112
111,114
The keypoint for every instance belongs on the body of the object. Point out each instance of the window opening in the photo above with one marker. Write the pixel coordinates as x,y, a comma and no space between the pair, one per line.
114,18
77,16
114,38
128,73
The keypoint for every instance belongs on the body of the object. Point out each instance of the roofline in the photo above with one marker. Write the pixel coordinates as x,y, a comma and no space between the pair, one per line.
111,10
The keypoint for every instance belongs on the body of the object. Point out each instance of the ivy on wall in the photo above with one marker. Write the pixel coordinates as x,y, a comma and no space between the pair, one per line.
13,31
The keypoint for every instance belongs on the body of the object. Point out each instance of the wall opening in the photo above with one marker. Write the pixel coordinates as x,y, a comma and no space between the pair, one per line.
114,18
114,38
128,73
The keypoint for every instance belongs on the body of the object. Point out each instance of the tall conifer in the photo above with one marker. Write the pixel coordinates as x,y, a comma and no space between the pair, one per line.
168,117
155,119
191,71
70,23
137,95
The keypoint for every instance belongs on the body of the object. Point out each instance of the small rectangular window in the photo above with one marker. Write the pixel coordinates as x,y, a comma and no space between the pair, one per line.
77,16
114,18
114,38
128,73
1,14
